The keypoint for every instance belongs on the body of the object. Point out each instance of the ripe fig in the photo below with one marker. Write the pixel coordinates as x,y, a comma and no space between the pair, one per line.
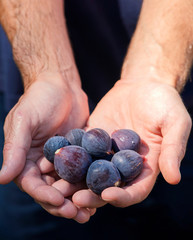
101,175
123,139
74,136
129,164
52,145
97,142
71,163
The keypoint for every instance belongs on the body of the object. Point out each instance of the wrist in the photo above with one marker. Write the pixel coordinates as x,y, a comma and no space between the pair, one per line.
144,73
69,78
56,80
161,47
153,61
38,34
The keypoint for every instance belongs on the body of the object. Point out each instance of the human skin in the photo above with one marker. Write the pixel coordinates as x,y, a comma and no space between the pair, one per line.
155,111
147,100
51,102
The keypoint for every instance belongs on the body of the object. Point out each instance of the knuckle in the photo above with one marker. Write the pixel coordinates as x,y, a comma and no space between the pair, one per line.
7,146
13,119
18,115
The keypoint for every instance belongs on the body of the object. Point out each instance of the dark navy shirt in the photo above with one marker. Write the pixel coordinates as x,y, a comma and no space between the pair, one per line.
99,38
10,79
100,32
100,35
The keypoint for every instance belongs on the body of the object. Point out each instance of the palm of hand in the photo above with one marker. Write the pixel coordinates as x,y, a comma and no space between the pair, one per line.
155,111
38,116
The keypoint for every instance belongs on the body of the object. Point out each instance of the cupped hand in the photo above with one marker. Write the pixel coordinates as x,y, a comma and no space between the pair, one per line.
156,112
48,107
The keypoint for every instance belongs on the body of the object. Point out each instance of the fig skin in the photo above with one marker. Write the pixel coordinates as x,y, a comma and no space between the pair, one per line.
71,163
97,142
124,139
101,175
129,164
52,145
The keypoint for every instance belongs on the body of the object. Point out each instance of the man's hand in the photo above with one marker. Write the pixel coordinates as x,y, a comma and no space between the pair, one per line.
146,100
155,111
44,110
53,102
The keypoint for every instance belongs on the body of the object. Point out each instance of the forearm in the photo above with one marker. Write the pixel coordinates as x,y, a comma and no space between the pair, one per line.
162,45
39,39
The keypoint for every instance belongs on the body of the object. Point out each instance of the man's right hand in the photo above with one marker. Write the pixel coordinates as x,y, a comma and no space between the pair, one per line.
53,102
48,107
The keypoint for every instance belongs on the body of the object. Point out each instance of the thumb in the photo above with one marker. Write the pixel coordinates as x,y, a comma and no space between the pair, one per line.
16,146
173,150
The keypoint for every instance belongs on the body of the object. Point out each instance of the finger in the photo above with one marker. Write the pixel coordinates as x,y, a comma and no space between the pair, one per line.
66,210
44,165
31,182
70,211
173,149
123,197
86,198
136,191
67,189
83,215
17,143
48,179
92,211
